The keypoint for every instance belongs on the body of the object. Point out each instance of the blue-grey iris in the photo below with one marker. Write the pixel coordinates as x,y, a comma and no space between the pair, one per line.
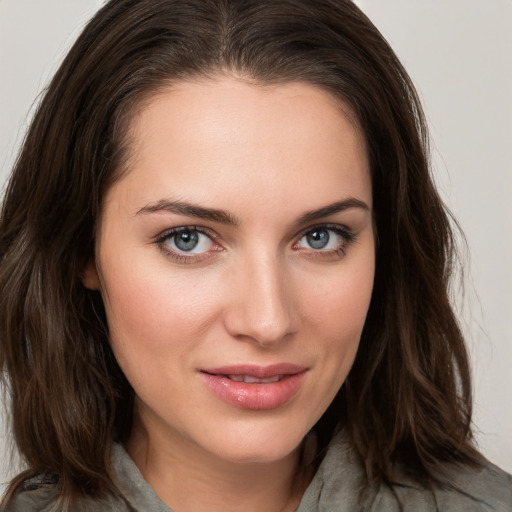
318,238
186,240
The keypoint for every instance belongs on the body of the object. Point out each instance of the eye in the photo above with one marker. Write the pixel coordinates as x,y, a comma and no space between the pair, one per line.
186,240
325,238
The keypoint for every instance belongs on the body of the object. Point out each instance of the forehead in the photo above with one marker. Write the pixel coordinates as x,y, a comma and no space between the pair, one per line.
200,137
241,100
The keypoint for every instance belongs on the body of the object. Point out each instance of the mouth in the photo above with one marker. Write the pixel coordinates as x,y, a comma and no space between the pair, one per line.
255,387
249,379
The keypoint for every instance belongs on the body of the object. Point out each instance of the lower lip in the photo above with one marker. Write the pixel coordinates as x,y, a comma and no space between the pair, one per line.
259,396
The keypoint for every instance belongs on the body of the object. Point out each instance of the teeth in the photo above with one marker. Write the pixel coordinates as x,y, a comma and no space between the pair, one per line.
248,379
275,378
251,380
236,378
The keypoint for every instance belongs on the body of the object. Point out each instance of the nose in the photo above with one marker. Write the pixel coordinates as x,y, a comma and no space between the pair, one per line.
263,306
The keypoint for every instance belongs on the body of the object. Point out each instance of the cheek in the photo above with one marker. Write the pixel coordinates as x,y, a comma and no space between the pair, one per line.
337,313
336,316
340,301
152,318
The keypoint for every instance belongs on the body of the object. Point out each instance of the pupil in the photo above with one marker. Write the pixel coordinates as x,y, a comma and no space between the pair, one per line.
318,239
186,241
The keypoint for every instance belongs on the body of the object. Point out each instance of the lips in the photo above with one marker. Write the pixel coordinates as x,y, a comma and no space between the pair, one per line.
255,387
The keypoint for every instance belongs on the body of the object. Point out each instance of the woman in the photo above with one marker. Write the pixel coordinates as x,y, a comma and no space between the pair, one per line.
224,273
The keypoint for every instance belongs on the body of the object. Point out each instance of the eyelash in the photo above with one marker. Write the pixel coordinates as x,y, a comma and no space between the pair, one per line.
347,238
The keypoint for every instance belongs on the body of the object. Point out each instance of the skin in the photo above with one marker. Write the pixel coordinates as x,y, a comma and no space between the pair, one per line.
252,292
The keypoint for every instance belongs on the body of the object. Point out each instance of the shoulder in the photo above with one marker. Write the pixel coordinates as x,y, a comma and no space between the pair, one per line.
490,484
341,482
465,489
36,494
41,494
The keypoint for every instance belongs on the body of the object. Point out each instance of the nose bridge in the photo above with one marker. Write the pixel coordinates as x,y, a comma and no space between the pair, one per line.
263,307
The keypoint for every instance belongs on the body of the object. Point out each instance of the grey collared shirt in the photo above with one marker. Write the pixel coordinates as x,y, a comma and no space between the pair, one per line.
338,486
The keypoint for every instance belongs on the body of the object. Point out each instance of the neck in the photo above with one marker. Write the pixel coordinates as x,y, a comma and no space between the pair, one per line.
186,478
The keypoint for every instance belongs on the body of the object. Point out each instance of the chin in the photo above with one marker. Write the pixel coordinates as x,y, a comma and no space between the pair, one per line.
253,445
258,454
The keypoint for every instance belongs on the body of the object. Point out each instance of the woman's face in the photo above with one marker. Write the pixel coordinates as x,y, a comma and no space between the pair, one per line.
235,259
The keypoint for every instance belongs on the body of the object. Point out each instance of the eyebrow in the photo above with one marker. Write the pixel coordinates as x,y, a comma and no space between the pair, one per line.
224,217
331,209
190,210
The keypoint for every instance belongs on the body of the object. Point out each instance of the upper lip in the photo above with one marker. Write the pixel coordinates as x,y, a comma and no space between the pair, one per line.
260,372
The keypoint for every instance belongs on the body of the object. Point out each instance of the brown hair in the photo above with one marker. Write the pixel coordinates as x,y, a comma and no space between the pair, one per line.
408,396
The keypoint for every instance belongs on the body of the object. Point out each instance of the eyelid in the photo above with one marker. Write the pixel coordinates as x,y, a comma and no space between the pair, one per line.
162,236
337,228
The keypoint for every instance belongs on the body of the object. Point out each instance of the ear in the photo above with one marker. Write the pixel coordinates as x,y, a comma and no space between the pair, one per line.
90,277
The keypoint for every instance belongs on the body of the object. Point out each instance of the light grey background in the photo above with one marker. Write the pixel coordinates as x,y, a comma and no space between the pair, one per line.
459,54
